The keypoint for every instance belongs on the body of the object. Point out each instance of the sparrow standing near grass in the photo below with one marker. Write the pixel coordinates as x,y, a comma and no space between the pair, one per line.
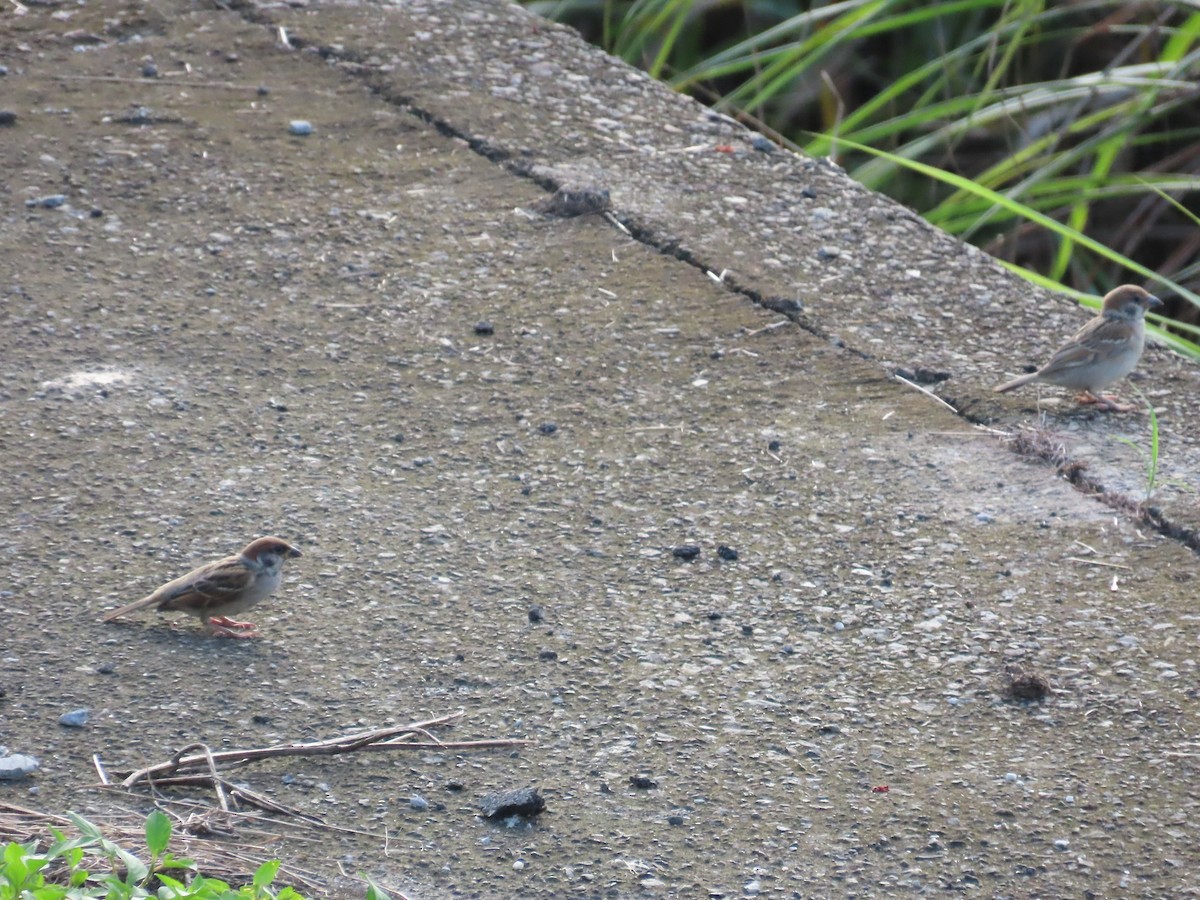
215,591
1104,350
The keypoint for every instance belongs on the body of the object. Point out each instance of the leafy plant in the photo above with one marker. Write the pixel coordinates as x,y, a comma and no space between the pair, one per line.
59,872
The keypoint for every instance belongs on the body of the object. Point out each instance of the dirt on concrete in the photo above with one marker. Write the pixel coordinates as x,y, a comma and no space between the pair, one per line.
366,341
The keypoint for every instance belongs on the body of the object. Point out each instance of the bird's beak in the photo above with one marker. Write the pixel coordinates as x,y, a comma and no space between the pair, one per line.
1154,301
293,553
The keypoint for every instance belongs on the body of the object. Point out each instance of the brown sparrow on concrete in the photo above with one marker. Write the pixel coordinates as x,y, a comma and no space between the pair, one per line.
216,590
1104,350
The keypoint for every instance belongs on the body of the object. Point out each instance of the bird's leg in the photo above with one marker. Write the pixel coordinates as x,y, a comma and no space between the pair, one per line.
226,622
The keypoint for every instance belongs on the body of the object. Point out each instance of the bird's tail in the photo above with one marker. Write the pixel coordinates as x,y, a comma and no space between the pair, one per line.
132,607
1015,383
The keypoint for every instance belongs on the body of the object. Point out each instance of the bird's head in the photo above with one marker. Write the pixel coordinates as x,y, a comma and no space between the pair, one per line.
1128,302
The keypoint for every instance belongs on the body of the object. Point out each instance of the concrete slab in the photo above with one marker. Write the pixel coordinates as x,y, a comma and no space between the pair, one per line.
226,329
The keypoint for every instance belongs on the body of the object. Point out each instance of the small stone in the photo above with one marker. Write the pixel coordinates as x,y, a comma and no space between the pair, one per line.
808,193
752,887
1062,844
260,719
762,144
485,328
419,803
300,127
774,446
105,669
1011,777
643,782
50,201
547,428
827,253
536,615
149,70
263,90
747,630
518,865
521,802
76,718
8,117
674,820
548,655
727,553
686,552
18,765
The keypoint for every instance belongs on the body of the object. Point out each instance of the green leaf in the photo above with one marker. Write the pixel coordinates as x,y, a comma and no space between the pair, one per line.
265,874
158,832
375,892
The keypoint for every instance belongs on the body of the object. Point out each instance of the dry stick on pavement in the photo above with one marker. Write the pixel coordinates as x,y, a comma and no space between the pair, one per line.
399,737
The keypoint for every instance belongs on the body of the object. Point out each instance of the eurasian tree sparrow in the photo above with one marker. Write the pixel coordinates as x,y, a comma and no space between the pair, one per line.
1104,350
215,591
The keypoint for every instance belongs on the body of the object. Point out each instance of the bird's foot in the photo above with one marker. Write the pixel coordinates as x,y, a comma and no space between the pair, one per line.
226,622
1106,402
219,631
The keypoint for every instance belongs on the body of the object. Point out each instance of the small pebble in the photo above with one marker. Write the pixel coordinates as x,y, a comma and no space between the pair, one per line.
16,766
419,803
536,615
1062,844
643,782
674,820
547,428
1011,777
522,802
48,202
263,90
485,328
774,446
7,117
149,70
548,655
727,553
752,887
747,630
518,865
829,253
762,144
300,127
687,552
76,718
105,669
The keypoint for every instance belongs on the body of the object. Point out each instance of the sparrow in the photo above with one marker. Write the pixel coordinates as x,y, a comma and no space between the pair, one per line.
1104,350
218,589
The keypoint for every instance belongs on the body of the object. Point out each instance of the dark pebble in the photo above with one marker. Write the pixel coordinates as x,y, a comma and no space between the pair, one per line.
260,719
149,70
715,616
727,553
96,212
747,630
687,552
7,117
548,655
263,90
774,446
419,803
48,202
674,820
762,144
643,782
521,802
454,786
106,669
787,650
536,615
547,428
3,71
808,193
922,375
485,328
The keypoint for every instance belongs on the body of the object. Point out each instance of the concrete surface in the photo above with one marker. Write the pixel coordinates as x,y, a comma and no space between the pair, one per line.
257,332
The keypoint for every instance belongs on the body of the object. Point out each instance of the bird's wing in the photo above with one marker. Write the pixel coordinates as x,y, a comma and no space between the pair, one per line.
208,588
